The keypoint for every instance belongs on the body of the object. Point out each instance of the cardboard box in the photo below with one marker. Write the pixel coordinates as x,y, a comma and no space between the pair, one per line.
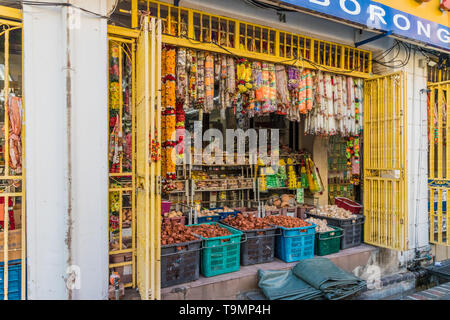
18,217
14,244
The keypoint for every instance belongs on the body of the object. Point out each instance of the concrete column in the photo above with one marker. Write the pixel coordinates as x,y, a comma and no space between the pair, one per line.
417,151
65,75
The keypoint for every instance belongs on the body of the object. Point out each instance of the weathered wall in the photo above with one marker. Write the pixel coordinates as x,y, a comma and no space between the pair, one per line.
65,68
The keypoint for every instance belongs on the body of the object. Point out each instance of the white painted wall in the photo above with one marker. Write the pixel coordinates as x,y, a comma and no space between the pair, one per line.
57,236
46,152
417,152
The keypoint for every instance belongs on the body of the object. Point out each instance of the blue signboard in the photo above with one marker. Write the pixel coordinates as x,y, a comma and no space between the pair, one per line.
379,16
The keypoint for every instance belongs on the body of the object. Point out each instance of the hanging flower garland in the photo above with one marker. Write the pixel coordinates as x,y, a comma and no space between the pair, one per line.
182,81
231,77
191,66
244,75
352,155
282,89
200,83
257,79
272,88
168,118
209,82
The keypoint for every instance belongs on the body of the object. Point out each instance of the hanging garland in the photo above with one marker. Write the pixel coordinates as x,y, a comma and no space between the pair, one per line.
200,80
209,82
282,89
191,66
168,118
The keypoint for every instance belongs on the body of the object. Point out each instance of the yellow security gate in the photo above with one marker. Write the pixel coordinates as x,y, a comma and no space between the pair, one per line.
121,156
12,159
385,170
148,168
439,161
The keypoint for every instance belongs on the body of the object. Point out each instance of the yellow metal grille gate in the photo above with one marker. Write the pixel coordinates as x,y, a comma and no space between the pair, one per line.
148,128
439,161
385,170
12,155
122,169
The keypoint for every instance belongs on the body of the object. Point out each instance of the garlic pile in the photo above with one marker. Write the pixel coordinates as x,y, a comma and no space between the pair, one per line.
321,224
173,214
333,211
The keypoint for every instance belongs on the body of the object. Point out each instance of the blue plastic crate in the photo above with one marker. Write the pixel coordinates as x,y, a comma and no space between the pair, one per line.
14,280
223,215
208,219
295,244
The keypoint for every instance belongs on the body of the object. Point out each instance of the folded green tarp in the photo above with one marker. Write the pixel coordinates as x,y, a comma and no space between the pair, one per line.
324,275
284,285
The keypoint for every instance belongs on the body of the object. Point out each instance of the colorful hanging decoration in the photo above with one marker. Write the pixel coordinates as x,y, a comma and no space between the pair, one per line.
334,111
244,75
168,117
191,67
182,80
200,80
209,82
352,155
282,89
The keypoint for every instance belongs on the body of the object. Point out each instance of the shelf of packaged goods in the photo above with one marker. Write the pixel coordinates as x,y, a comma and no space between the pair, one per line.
221,190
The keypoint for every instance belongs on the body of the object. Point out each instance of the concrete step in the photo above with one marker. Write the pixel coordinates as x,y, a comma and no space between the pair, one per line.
231,285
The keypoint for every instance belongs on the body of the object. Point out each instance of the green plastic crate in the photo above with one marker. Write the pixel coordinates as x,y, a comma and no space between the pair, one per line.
222,254
328,242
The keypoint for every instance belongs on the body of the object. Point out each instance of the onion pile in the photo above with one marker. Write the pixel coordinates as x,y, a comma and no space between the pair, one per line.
246,222
287,222
173,232
321,224
209,230
333,211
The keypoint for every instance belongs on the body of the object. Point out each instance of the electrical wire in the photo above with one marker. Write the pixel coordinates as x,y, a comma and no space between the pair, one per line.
63,4
263,5
393,63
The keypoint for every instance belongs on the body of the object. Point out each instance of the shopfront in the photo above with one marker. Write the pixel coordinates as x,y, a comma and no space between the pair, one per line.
341,132
211,113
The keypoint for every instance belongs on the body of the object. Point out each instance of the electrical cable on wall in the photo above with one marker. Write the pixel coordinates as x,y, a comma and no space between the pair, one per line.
64,4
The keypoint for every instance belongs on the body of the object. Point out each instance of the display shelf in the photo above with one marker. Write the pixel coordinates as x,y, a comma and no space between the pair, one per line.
221,190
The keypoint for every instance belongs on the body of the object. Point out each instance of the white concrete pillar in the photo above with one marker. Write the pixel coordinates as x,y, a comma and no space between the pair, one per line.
65,75
417,151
